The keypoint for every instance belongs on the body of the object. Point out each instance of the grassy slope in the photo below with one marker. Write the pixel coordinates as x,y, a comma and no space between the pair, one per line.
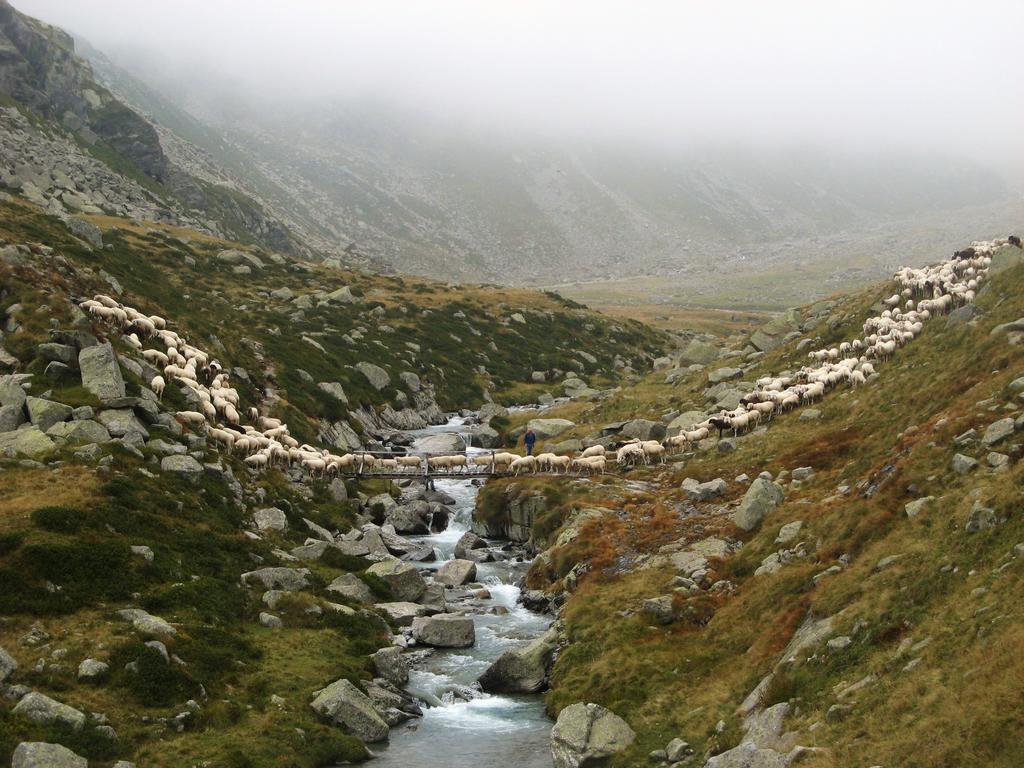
961,705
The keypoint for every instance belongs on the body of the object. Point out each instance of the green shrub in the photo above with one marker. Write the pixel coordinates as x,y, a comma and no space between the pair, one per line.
59,519
9,542
154,682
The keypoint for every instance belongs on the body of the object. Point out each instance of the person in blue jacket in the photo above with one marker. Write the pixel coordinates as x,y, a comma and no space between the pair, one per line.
529,439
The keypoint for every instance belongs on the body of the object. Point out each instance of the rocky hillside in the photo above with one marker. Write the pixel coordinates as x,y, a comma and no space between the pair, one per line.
69,144
424,197
160,600
839,586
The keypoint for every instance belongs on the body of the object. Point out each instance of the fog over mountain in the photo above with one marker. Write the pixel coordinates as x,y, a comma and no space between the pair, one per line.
527,141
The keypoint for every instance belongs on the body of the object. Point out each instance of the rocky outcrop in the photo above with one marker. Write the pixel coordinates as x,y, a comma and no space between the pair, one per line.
586,735
514,518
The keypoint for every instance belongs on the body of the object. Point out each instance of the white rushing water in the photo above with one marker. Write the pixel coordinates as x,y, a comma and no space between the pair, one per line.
488,730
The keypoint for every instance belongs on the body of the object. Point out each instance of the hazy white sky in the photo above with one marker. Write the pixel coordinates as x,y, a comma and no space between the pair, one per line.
944,75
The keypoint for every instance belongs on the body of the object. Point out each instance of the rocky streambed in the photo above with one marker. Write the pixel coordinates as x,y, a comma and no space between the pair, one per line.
461,724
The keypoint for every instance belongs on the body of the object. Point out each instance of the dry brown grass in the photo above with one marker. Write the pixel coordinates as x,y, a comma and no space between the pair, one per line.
23,490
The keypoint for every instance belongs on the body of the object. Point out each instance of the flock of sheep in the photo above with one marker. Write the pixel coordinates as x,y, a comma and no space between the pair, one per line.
923,292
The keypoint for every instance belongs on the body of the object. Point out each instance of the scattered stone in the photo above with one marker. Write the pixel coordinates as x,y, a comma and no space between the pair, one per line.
285,579
981,518
803,473
998,431
810,414
145,623
963,464
402,613
270,519
91,670
270,621
45,413
704,491
915,507
789,532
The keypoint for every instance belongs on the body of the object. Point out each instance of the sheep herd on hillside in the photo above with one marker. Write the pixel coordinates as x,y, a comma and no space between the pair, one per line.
924,292
266,442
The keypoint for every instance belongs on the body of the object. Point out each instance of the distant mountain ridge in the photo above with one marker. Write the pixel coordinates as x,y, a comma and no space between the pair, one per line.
79,149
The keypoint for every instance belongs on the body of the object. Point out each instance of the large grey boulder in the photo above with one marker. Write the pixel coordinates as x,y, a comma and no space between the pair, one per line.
31,442
270,519
45,413
413,517
92,669
548,428
101,374
698,353
7,665
182,465
343,704
377,376
724,374
351,587
405,580
455,573
284,579
587,735
334,389
998,431
761,498
80,432
42,709
390,664
444,631
523,669
644,429
40,754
